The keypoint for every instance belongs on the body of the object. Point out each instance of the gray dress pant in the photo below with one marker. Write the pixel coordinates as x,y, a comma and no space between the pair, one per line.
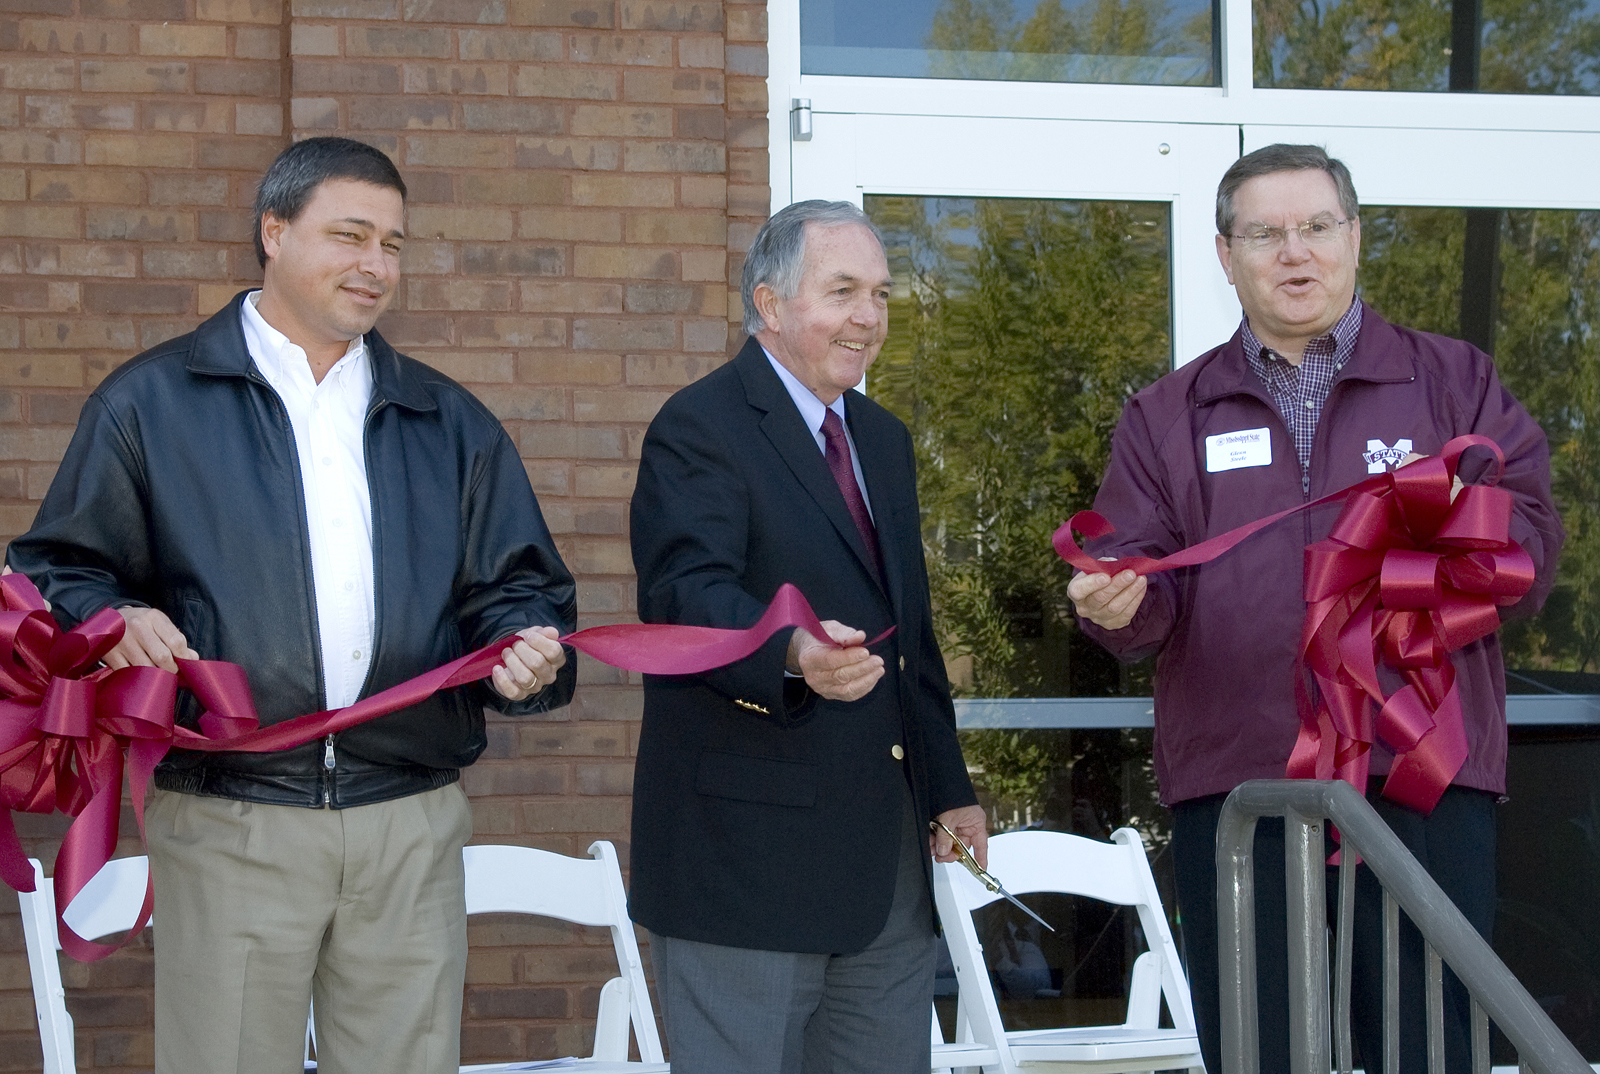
731,1010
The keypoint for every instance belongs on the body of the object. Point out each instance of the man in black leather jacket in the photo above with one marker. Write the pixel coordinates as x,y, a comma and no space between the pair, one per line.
281,489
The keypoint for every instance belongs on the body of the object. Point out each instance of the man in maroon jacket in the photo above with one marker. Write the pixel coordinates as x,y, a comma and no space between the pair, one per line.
1313,393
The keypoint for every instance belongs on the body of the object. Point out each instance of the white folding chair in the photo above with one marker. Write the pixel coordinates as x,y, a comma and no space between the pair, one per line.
1115,872
588,891
108,903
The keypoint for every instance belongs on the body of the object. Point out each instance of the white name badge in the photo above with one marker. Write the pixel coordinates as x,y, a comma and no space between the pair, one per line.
1232,451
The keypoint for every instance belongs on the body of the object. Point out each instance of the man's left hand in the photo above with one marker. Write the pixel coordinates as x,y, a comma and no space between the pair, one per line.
971,827
530,664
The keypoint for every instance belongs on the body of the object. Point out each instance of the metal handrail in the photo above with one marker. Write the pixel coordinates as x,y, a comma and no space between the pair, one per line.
1451,939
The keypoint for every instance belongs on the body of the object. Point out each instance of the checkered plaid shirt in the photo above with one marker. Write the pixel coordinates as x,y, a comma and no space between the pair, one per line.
1300,391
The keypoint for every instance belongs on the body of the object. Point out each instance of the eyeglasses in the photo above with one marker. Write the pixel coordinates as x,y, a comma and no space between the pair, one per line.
1261,238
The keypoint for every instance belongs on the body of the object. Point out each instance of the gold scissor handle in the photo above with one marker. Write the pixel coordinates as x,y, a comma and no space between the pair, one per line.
966,857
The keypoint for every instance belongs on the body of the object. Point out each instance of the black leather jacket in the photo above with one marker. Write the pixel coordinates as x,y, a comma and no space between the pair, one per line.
181,491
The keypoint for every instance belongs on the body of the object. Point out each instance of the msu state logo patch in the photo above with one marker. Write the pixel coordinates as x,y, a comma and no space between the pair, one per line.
1380,457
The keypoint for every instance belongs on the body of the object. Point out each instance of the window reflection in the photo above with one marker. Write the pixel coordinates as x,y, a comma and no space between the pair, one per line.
1018,330
1495,46
1165,42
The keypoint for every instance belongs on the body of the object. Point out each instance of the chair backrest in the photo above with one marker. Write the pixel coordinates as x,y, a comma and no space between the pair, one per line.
1115,872
588,891
109,903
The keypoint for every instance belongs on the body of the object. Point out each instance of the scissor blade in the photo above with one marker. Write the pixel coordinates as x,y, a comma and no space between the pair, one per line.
1021,906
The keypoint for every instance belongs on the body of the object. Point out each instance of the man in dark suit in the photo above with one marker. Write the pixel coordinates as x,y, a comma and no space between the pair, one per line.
781,805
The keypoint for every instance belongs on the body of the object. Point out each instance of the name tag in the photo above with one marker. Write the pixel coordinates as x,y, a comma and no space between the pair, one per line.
1231,451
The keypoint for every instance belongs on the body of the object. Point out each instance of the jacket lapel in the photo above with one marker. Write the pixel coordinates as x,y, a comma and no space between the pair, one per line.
794,443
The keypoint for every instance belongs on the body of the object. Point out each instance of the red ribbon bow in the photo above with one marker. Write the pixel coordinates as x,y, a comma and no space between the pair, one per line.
1406,577
66,722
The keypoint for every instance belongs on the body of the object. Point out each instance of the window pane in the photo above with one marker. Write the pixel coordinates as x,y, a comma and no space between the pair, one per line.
1525,285
1165,42
1506,46
1017,329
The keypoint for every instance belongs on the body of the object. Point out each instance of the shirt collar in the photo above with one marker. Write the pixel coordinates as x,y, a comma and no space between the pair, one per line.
279,359
811,408
1340,340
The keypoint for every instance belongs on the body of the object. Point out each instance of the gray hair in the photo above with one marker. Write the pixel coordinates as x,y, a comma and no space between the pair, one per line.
777,256
1283,158
294,176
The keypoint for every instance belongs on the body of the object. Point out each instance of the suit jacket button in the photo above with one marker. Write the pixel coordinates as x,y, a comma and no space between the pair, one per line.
896,752
902,663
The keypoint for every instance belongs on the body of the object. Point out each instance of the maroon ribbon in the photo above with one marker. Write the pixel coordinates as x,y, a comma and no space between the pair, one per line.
1405,578
66,723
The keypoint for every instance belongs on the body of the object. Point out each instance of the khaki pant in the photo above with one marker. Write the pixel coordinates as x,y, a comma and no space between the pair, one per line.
260,909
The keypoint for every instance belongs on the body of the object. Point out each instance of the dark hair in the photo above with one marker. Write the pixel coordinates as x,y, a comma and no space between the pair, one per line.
778,253
292,178
1283,158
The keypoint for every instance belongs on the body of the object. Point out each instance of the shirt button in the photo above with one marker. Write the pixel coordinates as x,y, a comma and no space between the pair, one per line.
896,752
349,587
1310,405
327,460
338,523
356,655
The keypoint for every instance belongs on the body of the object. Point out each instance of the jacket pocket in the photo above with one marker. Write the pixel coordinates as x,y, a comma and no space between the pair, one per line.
756,779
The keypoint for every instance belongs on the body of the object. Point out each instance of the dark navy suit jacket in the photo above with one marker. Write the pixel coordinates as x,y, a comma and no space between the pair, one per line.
764,816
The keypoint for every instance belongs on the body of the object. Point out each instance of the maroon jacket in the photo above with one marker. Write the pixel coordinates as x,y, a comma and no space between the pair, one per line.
1225,633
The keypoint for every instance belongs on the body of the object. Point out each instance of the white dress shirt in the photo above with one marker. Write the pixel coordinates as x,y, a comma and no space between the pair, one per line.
812,411
329,423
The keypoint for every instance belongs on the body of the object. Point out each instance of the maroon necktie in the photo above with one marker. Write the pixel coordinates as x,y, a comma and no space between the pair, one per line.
837,453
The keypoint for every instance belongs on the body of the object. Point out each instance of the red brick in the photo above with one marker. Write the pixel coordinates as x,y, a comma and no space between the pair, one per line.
239,78
124,1049
663,298
427,258
257,43
523,403
634,121
240,11
464,150
314,40
515,46
138,150
85,184
320,76
136,298
747,23
51,408
262,119
631,191
605,779
646,156
599,480
75,259
133,76
401,113
748,166
398,41
512,259
747,95
561,296
453,294
582,815
493,818
38,7
25,370
471,367
51,74
667,369
480,79
508,188
352,10
79,333
187,188
521,778
673,87
315,113
66,112
678,15
570,224
701,52
586,14
628,50
554,81
225,226
460,223
567,367
586,154
708,336
29,147
550,480
677,229
519,1003
707,123
625,262
39,221
182,39
81,37
137,10
748,60
630,406
481,12
523,117
210,117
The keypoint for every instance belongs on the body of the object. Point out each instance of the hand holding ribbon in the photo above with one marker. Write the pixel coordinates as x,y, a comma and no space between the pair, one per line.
1405,577
66,722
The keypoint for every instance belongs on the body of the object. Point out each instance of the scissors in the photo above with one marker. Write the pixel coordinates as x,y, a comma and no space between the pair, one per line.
984,876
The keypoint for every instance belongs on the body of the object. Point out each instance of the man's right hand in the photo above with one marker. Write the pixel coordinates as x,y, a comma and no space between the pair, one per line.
151,640
846,674
1108,601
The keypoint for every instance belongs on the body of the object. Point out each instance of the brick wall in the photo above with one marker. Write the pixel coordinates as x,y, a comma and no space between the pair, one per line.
584,175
